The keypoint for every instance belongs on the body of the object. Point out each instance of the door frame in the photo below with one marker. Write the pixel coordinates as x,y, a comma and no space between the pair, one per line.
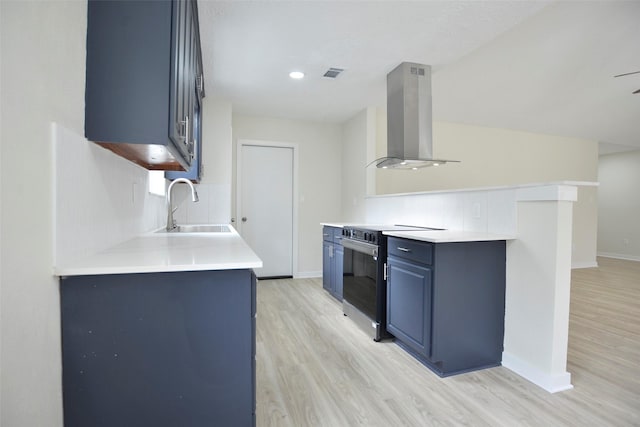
274,144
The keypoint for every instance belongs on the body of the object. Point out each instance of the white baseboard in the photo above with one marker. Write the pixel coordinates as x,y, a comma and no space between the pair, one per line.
619,256
583,264
307,274
552,383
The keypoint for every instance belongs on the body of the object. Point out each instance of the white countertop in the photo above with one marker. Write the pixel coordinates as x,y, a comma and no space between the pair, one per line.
448,236
343,224
167,252
433,236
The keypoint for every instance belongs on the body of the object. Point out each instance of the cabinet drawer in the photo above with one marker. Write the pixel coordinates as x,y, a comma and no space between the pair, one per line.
412,250
332,234
327,233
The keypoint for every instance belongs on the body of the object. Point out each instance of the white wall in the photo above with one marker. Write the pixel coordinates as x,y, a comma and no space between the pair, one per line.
584,245
319,180
619,205
42,80
354,152
90,200
491,157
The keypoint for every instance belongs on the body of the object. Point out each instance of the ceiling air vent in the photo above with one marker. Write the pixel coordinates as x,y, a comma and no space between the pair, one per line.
332,73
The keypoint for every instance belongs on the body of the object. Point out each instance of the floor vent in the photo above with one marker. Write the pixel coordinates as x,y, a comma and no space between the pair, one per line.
332,73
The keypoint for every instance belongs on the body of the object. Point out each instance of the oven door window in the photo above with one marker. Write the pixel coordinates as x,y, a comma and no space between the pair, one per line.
359,279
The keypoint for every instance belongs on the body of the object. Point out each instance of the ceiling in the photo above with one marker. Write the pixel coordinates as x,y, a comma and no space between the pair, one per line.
537,66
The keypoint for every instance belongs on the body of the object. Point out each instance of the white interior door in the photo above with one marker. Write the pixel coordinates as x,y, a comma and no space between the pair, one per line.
265,214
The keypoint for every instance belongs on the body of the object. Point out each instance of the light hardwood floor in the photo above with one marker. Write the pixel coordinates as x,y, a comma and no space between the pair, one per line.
315,368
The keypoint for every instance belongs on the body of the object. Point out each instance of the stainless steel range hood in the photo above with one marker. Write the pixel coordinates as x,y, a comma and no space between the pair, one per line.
409,122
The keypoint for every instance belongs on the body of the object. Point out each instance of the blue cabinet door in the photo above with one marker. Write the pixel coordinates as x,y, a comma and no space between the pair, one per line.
409,295
195,170
179,48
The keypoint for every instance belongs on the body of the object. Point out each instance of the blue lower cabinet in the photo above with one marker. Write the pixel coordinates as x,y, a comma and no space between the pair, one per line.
159,349
445,302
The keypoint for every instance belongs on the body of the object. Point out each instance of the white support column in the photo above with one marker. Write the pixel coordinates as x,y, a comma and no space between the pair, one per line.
538,287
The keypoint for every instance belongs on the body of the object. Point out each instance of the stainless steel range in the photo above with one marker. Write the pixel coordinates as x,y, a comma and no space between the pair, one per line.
364,275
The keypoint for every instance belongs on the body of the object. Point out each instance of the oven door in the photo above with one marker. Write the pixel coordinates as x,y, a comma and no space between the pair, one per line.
361,274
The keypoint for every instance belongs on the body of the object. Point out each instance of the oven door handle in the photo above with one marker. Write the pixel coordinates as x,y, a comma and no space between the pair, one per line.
363,247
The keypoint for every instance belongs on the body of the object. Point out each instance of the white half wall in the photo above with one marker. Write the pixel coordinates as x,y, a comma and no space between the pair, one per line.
482,210
538,287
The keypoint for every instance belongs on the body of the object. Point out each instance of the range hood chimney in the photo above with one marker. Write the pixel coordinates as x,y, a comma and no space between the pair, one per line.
409,122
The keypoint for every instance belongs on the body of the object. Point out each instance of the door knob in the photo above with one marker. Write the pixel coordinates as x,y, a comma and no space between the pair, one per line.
244,219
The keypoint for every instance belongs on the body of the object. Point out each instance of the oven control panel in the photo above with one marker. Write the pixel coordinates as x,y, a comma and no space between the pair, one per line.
368,236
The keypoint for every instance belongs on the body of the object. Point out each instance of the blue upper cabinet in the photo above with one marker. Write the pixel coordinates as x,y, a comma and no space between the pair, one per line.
144,81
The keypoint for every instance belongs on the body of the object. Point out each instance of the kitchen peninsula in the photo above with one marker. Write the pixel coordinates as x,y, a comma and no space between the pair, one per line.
160,330
439,292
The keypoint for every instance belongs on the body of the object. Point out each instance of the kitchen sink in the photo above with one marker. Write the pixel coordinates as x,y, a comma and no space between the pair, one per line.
209,228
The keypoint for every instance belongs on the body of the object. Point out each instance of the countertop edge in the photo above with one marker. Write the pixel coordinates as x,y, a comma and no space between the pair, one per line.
434,236
98,271
448,236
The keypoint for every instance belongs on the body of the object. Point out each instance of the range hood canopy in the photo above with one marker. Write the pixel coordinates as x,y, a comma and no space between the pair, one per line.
409,122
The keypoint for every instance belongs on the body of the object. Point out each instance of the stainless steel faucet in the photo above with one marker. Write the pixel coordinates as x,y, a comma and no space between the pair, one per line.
171,224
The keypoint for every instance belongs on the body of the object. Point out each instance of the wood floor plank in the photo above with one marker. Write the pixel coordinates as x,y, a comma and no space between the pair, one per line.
316,368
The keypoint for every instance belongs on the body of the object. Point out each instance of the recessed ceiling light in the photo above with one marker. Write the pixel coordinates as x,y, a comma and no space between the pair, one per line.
296,75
